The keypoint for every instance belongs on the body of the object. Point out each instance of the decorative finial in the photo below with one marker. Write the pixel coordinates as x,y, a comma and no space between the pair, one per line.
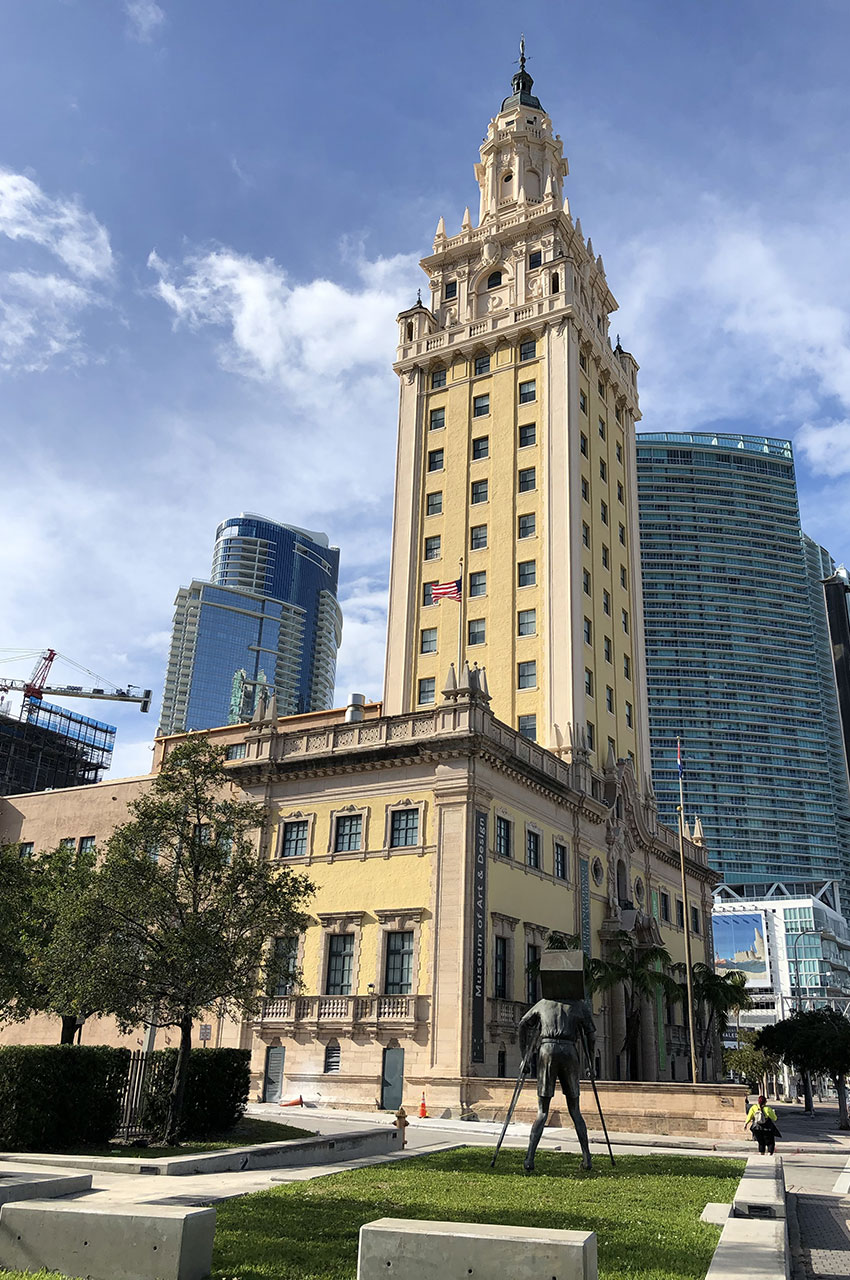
522,53
419,296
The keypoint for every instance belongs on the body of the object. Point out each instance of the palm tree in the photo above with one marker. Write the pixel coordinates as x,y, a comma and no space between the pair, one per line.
716,996
641,970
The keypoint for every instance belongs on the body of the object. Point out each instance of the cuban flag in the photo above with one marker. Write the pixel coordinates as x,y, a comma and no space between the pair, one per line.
446,590
679,758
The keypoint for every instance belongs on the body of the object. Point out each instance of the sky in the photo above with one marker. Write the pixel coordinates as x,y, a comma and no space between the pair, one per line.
211,213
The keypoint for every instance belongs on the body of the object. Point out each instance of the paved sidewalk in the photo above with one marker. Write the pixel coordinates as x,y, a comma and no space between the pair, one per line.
824,1236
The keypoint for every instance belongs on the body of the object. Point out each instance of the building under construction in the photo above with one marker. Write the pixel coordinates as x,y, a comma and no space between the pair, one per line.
52,747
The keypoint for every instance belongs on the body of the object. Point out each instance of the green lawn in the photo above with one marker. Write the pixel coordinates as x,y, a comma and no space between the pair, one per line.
645,1211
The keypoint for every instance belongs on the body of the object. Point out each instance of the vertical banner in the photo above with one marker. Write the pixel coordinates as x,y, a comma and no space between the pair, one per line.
584,883
479,933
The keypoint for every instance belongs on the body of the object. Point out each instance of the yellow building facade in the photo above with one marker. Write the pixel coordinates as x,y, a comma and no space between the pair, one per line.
516,464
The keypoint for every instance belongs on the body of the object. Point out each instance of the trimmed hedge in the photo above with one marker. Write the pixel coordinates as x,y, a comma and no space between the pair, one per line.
60,1096
216,1090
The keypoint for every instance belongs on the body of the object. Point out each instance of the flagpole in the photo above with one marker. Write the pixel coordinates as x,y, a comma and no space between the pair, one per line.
688,969
460,622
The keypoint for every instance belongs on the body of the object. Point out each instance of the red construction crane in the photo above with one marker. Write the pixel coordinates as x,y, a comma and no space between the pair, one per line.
36,687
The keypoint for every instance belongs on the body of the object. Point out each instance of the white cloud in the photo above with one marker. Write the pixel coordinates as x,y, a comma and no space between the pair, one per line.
827,448
42,299
145,17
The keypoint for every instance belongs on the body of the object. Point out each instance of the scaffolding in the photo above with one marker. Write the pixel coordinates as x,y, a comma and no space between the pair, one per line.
52,747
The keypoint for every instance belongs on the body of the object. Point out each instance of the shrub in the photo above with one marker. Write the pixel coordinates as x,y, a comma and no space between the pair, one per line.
216,1090
55,1097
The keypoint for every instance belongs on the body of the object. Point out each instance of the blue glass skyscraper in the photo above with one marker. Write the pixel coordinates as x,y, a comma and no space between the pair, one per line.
738,659
269,615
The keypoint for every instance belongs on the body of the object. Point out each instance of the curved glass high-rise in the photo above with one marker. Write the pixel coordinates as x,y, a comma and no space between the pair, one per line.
738,659
268,616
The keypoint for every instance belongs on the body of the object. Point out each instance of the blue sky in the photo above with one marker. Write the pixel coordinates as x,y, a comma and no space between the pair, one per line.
211,212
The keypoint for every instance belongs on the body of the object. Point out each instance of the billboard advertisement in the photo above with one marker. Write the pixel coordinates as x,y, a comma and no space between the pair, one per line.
740,943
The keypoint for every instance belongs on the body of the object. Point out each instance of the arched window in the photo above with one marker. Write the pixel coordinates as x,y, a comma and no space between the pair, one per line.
556,282
332,1056
494,279
410,331
622,884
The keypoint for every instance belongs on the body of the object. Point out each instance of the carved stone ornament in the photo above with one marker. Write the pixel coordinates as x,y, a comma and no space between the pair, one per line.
411,377
462,273
492,251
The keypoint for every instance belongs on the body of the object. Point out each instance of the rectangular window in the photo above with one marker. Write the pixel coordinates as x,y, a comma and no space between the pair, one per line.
582,444
435,459
528,349
87,843
527,622
434,504
606,601
527,434
527,726
560,861
695,920
602,428
526,675
399,963
527,573
286,966
585,533
340,963
623,534
627,666
600,387
629,715
477,631
479,491
428,640
606,648
532,849
605,556
450,290
69,843
582,402
427,588
480,406
437,420
582,361
680,913
482,365
478,537
427,690
527,479
585,581
612,747
609,698
438,379
294,841
349,829
603,469
500,968
478,583
626,621
588,631
25,848
618,413
332,1058
585,489
620,494
480,448
665,906
504,837
535,259
588,682
404,828
591,735
603,511
624,581
527,526
527,392
532,972
619,451
432,547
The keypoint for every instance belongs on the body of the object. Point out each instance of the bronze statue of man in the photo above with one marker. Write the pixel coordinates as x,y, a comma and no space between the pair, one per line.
558,1026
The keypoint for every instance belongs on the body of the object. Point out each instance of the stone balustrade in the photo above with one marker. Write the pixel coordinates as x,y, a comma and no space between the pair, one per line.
346,1012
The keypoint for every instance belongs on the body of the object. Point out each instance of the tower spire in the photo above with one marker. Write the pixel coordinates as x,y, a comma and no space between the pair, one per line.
522,84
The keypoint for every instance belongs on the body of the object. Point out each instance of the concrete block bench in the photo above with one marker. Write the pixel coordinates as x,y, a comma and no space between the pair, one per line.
761,1191
414,1249
751,1248
18,1183
107,1242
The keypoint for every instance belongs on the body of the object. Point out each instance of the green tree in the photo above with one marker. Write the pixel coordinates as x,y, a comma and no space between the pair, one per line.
184,912
716,996
640,969
817,1042
36,892
750,1063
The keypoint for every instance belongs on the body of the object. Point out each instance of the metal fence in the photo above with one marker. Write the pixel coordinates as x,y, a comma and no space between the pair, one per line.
148,1076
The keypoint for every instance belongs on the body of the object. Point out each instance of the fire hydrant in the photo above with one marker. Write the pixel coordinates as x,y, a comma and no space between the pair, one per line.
401,1122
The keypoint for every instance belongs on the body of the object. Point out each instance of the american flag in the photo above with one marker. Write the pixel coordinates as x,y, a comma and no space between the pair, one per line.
446,590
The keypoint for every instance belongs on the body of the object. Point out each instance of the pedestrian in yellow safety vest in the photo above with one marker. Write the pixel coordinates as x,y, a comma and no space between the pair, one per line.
763,1121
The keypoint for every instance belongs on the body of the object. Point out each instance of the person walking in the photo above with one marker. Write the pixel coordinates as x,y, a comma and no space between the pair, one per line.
763,1121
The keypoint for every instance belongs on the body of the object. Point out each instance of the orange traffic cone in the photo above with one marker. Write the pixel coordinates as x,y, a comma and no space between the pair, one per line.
299,1102
423,1110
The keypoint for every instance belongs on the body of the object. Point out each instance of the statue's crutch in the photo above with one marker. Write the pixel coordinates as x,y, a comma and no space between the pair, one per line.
595,1094
514,1100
